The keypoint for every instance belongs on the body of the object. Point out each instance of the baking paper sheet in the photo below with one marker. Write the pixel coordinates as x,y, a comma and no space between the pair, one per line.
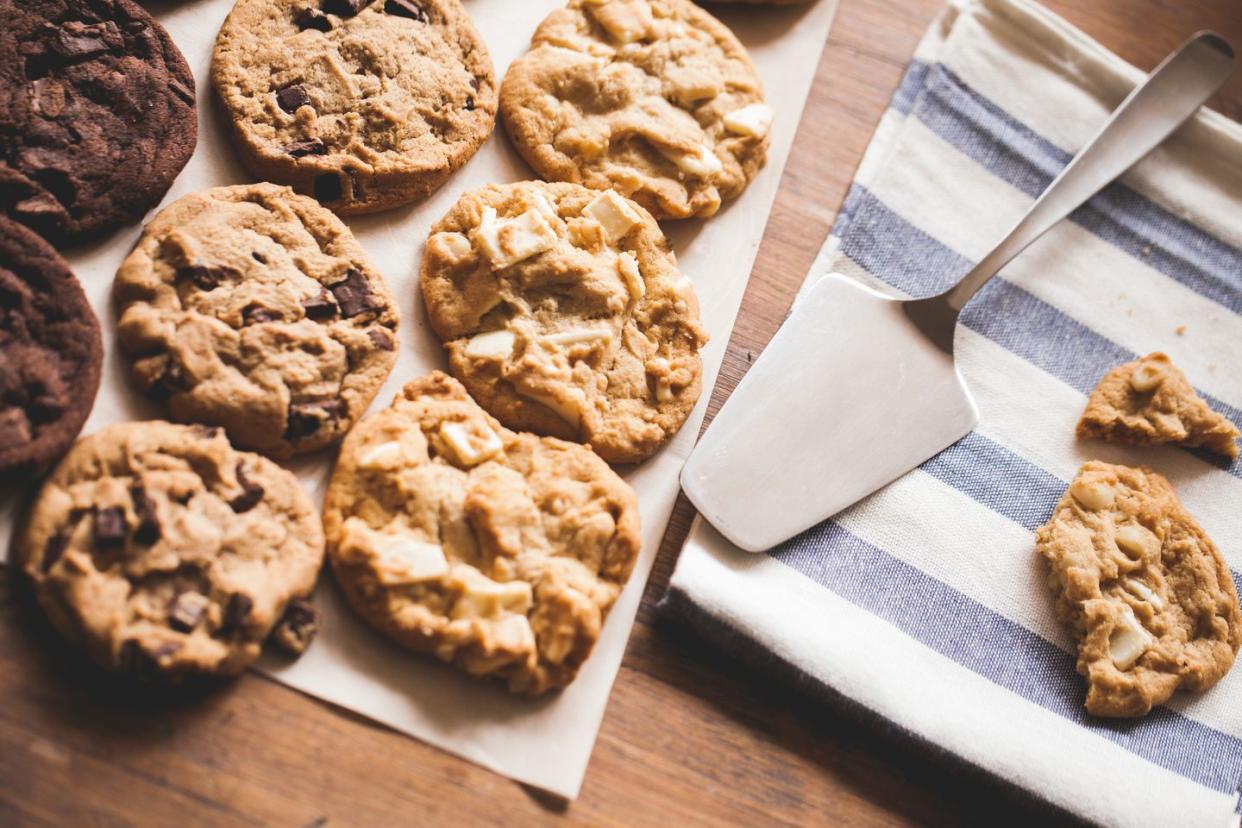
543,742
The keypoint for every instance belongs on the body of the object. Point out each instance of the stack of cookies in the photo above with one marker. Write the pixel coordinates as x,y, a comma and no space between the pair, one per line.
477,518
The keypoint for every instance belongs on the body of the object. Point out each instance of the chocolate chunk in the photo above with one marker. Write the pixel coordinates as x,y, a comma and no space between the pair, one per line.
206,277
148,529
311,146
57,182
356,192
80,41
320,307
258,257
38,206
345,8
172,381
236,612
328,187
165,649
251,494
297,626
182,91
110,527
353,294
254,314
306,418
381,338
312,19
291,97
209,432
406,8
187,610
470,104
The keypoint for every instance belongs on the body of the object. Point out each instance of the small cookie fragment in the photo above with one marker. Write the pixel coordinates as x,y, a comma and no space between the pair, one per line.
50,353
564,313
1148,402
138,554
255,309
1142,586
362,104
497,551
97,116
655,99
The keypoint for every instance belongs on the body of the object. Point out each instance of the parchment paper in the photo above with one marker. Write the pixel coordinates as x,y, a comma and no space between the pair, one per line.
543,742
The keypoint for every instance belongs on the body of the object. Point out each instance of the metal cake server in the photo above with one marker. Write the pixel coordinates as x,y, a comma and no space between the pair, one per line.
858,388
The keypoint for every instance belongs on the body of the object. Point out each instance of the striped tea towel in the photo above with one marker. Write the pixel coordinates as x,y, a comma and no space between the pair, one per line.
926,602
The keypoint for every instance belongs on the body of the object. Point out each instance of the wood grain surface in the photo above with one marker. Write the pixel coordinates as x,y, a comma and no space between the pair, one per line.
692,735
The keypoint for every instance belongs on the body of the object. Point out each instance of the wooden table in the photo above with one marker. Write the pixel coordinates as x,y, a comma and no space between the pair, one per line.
691,735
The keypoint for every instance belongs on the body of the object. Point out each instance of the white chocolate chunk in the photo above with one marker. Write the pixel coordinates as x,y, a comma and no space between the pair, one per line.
661,367
628,266
491,345
613,214
543,206
702,162
513,632
1146,377
382,456
1128,640
456,245
470,449
568,409
481,597
397,557
1143,592
626,22
1093,494
508,241
1136,541
580,336
754,120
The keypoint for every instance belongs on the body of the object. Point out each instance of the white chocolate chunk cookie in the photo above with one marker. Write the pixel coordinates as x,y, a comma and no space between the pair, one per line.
655,99
564,313
1149,401
1142,586
255,309
363,104
496,551
163,551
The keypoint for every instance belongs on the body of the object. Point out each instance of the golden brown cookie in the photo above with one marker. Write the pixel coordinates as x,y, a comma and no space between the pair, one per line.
655,99
162,550
564,313
1144,589
363,104
496,551
253,308
1148,402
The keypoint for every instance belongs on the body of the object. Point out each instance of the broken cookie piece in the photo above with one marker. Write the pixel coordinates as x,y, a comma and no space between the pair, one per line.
1141,585
1148,402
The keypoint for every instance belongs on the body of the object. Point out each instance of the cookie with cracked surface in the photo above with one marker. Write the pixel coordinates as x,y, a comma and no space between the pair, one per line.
655,99
254,308
496,551
564,313
162,550
363,104
1141,585
50,353
1148,402
98,115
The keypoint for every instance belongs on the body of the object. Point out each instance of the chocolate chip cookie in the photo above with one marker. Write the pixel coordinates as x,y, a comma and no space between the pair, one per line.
496,551
564,313
363,104
96,115
50,353
254,308
1142,586
1148,402
655,99
162,550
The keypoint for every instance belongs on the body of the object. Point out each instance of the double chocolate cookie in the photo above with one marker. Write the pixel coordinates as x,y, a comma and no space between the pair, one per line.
96,115
254,308
50,353
162,550
363,104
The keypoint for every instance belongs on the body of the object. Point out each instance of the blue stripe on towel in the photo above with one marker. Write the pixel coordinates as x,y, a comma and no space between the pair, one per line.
1000,650
895,251
1119,215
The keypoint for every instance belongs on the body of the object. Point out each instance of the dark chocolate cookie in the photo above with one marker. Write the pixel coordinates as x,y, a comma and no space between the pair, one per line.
96,115
50,352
